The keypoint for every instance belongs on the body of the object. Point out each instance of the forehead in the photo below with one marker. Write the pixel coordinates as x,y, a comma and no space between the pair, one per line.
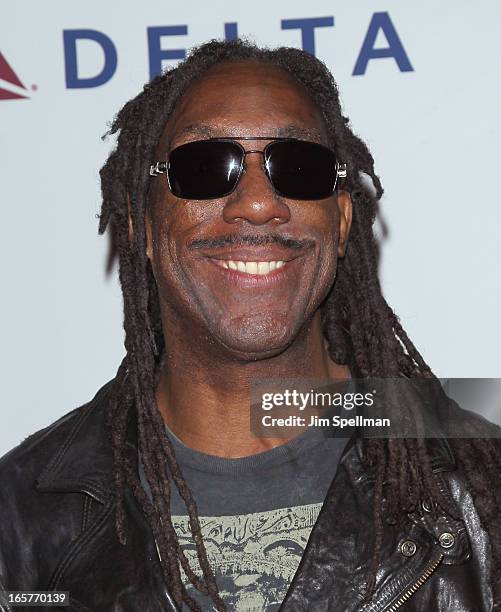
245,98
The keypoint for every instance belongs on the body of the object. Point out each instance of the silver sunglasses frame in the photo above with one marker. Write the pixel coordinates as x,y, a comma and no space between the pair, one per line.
160,167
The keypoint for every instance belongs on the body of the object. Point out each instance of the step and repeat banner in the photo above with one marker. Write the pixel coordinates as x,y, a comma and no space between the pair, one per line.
419,80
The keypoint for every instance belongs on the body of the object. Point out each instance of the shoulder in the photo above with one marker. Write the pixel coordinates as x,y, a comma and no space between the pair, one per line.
452,408
28,457
25,462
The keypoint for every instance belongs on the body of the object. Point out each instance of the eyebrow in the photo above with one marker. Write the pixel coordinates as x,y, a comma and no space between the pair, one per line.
288,131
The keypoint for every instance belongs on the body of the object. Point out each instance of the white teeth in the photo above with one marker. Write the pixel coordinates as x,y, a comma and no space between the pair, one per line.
252,267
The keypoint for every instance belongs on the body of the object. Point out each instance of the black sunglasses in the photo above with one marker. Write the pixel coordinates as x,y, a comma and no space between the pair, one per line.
210,169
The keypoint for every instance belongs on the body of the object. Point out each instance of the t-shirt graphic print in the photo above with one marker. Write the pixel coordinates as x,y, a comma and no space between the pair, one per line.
253,556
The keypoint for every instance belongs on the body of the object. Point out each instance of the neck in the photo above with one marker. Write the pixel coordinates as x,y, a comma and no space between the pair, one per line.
204,395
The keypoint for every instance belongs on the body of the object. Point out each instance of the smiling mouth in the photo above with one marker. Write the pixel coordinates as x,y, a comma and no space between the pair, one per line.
257,268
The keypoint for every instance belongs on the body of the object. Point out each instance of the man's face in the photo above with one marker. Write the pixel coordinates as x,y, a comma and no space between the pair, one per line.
250,315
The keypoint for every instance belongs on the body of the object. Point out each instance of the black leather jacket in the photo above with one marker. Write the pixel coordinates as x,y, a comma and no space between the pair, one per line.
57,533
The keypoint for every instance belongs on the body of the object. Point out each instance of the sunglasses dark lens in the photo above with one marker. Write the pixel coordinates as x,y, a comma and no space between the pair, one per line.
301,170
204,170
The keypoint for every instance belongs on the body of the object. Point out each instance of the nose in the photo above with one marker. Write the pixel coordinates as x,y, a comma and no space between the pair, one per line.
254,199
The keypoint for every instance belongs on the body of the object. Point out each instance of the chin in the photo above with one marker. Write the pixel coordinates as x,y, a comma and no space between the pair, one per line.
254,337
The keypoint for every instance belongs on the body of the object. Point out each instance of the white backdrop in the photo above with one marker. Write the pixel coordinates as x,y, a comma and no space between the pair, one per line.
434,131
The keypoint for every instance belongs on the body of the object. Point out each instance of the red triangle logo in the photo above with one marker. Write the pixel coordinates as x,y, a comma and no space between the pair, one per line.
10,95
7,74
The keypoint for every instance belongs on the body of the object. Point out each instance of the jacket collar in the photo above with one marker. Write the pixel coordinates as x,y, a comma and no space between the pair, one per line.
83,462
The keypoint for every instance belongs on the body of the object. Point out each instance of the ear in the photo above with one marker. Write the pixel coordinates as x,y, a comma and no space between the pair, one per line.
149,239
345,216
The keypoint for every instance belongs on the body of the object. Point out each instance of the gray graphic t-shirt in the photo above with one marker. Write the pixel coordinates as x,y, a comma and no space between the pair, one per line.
256,514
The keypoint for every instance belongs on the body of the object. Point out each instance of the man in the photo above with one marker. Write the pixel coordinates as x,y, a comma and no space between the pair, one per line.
243,230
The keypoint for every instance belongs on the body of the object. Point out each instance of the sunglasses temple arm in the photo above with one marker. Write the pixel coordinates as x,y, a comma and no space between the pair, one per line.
158,168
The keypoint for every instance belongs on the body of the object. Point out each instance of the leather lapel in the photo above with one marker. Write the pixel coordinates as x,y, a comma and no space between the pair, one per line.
83,462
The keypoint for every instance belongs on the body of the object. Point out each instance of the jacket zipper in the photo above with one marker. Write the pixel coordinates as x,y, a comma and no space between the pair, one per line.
430,568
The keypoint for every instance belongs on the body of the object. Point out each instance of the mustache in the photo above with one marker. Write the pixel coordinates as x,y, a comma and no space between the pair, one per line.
257,240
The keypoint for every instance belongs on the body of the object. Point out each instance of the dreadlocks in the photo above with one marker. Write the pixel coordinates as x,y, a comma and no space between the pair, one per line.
360,327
